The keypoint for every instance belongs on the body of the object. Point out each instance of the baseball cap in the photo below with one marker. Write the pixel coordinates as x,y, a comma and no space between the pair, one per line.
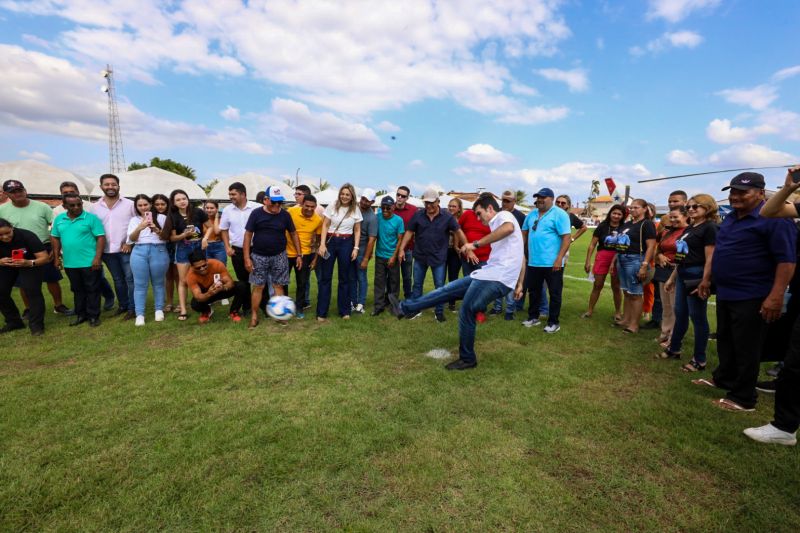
369,194
508,195
387,201
12,185
545,192
745,181
430,195
274,194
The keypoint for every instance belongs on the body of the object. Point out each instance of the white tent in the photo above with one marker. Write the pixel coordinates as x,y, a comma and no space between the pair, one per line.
154,180
326,197
253,182
41,178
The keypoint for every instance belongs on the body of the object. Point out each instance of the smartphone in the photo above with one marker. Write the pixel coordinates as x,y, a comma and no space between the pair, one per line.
217,278
795,175
190,228
18,254
148,216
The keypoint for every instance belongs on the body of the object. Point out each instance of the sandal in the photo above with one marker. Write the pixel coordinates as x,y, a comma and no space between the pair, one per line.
706,382
730,405
617,319
629,330
168,308
253,323
182,317
669,354
693,366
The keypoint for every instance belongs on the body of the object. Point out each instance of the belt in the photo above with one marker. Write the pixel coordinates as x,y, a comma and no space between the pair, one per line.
341,235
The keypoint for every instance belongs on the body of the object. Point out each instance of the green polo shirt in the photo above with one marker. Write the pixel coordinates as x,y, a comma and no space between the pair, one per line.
35,217
78,238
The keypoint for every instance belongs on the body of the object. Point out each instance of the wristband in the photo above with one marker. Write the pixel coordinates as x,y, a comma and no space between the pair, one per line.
355,247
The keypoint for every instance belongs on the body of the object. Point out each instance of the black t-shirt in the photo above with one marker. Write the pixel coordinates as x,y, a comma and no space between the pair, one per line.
575,222
634,244
269,231
196,217
25,240
519,216
602,231
696,238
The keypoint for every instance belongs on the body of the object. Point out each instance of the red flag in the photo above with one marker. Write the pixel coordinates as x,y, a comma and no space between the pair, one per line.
611,185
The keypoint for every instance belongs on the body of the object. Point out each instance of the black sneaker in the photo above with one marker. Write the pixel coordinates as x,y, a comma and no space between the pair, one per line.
440,318
78,320
451,307
767,387
11,327
376,312
94,322
460,364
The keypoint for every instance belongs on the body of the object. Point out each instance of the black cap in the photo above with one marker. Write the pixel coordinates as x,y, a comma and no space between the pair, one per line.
746,181
12,185
387,201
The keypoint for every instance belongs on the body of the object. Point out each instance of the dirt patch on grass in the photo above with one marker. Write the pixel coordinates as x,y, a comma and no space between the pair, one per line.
18,366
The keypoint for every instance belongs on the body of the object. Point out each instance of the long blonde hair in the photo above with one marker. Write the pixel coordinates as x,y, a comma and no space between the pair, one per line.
338,203
707,201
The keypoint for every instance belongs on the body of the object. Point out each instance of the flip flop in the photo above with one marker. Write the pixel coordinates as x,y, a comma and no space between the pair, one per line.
667,354
182,317
629,330
693,366
705,382
730,405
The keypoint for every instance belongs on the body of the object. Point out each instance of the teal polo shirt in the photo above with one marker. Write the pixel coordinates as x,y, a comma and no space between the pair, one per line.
544,242
78,238
389,231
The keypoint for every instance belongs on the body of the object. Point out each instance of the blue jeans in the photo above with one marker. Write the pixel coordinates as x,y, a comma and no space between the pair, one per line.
149,263
358,281
216,250
340,249
119,265
689,306
439,272
477,294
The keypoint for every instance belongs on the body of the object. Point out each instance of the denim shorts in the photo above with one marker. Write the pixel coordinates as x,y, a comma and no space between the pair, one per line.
627,269
183,249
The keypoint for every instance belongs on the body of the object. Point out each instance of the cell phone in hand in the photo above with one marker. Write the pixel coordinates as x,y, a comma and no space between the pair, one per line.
190,228
148,216
18,254
795,175
217,278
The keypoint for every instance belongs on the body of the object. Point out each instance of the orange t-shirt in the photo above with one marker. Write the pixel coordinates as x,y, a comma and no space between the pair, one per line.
193,279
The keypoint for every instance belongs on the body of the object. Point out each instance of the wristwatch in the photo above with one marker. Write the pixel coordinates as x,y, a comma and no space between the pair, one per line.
476,244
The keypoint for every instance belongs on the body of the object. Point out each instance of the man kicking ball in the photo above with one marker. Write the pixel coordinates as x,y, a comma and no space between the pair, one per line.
505,271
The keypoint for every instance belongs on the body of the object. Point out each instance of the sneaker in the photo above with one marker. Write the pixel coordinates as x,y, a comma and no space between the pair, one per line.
129,315
767,387
306,306
552,328
159,316
531,322
415,316
62,310
139,320
359,309
495,311
440,318
224,301
480,317
205,317
769,434
234,316
775,370
11,327
300,315
451,307
376,312
460,364
395,307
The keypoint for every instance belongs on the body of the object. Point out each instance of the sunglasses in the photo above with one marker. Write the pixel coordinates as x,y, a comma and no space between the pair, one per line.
506,200
402,195
561,203
693,206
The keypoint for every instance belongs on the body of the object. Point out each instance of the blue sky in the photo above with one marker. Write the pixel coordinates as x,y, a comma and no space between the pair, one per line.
507,94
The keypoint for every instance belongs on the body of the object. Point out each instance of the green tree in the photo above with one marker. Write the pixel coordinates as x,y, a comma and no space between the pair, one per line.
169,165
521,197
323,185
210,185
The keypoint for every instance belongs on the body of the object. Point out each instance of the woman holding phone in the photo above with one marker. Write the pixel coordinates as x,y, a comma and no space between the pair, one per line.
22,255
187,224
150,231
212,242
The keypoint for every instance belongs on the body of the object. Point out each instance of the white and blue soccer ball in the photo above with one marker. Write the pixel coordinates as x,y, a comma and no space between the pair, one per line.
281,307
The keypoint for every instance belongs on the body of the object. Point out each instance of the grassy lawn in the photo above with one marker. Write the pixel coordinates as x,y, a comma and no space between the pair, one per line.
348,425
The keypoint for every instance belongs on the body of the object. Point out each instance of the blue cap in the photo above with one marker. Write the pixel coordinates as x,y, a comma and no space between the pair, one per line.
545,192
273,192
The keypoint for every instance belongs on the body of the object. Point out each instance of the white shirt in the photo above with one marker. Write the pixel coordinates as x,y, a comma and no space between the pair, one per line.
508,254
341,222
234,219
146,236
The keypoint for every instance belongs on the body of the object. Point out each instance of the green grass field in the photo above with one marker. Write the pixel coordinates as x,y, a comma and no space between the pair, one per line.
347,425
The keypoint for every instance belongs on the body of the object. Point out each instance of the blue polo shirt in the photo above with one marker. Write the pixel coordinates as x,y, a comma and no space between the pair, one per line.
431,236
389,232
747,251
544,242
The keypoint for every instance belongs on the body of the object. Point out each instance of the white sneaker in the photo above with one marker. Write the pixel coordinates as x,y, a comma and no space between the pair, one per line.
224,301
139,320
532,322
159,316
415,316
552,328
359,309
769,434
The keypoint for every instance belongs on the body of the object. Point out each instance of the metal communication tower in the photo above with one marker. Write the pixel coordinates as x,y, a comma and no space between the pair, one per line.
116,154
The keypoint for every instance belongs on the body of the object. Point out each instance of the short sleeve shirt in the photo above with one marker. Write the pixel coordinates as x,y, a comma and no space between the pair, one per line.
341,221
695,239
22,240
544,240
195,217
406,213
474,229
369,228
36,217
389,231
193,279
575,222
508,255
634,236
666,246
605,235
146,236
115,222
431,236
269,231
233,221
306,229
78,238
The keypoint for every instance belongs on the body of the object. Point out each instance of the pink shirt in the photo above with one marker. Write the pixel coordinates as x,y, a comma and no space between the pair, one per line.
115,222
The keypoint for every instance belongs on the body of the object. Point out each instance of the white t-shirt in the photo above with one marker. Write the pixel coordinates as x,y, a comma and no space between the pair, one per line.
146,236
341,222
234,219
508,254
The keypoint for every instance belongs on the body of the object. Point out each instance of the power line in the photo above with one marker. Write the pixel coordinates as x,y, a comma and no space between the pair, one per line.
713,172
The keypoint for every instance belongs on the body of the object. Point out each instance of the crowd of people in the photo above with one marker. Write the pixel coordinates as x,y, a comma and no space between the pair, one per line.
662,272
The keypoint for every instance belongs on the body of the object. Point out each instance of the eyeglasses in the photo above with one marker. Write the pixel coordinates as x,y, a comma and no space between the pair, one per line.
402,195
561,203
693,206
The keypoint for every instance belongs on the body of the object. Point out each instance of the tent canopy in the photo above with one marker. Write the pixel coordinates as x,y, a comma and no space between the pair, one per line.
154,180
252,181
41,178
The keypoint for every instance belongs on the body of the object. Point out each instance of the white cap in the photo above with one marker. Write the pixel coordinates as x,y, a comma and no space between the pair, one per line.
369,194
430,195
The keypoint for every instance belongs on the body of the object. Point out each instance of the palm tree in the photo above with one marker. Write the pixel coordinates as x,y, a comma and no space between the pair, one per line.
322,185
521,197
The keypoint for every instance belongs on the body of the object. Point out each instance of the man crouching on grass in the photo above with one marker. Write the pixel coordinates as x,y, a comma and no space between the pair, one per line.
505,271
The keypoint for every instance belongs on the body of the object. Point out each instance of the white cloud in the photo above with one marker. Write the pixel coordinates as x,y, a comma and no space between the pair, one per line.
36,41
535,115
576,79
678,39
682,157
78,109
41,156
786,73
750,155
523,90
721,131
295,120
416,163
387,126
677,10
758,98
230,113
485,154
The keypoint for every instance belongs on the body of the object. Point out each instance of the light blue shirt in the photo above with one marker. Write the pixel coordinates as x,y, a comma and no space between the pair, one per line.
389,231
544,242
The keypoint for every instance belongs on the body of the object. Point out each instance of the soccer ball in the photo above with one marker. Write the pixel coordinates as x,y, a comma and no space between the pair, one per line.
281,307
